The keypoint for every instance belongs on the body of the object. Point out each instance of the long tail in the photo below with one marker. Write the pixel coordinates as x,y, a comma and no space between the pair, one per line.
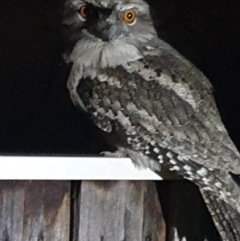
220,192
225,209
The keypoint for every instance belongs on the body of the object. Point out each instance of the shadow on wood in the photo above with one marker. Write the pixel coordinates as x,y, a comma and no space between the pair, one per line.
185,212
103,211
34,211
119,211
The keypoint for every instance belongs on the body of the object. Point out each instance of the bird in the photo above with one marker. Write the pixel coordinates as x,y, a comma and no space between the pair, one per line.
151,103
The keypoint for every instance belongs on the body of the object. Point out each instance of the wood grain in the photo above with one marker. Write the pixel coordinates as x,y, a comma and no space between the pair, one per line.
119,211
34,211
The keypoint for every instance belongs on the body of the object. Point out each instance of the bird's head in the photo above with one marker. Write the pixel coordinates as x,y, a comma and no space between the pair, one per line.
115,25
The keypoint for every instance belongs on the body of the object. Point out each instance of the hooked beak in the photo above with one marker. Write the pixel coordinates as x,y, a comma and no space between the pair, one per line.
101,29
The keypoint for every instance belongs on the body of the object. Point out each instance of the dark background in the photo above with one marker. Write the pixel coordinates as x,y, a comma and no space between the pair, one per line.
36,114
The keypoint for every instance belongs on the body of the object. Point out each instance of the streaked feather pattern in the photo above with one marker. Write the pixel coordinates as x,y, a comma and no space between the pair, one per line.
160,108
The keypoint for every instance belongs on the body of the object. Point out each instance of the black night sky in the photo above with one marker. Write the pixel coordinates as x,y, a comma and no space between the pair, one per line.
36,113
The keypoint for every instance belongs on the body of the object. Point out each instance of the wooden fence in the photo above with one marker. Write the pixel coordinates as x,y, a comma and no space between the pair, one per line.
103,211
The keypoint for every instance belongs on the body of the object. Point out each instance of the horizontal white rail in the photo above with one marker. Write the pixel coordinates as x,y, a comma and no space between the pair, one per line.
71,168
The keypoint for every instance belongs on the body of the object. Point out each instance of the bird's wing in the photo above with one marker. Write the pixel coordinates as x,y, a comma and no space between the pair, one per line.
166,100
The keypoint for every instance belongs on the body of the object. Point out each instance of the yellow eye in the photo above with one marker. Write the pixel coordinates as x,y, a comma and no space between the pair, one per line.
129,16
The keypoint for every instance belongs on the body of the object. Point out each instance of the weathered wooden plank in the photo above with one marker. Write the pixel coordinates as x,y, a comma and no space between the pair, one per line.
119,211
34,211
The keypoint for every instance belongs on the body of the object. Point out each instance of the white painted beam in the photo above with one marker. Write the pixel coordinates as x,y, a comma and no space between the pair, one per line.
71,168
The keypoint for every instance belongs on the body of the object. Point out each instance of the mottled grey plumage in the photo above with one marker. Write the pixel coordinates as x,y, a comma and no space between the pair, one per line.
156,103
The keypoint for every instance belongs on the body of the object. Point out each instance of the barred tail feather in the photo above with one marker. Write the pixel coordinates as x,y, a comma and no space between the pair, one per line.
225,217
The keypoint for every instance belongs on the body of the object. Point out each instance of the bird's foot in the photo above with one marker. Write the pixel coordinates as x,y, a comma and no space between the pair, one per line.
121,152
